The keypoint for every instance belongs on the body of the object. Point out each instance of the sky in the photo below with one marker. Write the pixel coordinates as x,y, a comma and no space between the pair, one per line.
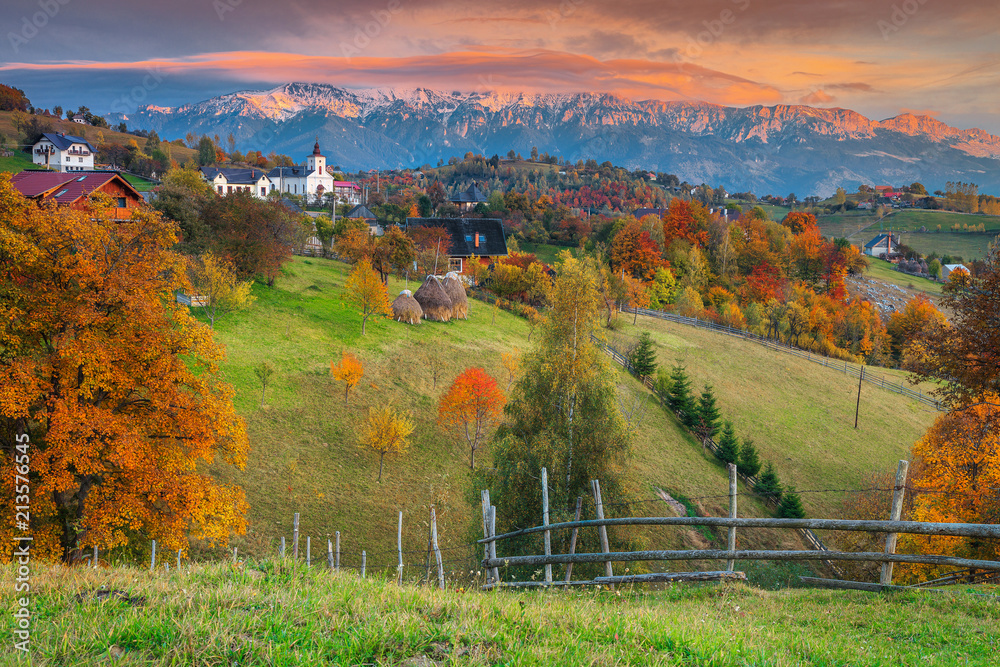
878,57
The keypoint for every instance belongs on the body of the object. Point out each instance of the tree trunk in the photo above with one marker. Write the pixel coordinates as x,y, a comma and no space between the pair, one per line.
381,458
347,390
364,321
262,390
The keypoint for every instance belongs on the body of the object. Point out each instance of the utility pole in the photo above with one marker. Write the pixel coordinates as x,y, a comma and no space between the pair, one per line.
857,408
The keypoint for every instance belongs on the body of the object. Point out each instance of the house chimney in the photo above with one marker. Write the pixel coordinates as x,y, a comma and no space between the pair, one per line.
477,239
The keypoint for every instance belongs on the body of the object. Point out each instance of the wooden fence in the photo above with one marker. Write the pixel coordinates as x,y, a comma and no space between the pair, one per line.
852,370
807,535
492,562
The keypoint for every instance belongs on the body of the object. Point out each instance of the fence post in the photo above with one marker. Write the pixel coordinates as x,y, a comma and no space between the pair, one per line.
897,509
731,564
295,536
336,560
152,558
572,538
486,528
857,408
329,553
308,551
437,551
595,485
95,557
235,551
364,563
281,549
545,522
178,560
493,544
399,549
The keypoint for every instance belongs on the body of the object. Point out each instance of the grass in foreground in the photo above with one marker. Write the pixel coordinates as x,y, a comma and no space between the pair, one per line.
880,269
278,614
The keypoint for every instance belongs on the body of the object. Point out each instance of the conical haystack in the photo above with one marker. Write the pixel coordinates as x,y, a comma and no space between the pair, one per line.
406,309
455,290
434,301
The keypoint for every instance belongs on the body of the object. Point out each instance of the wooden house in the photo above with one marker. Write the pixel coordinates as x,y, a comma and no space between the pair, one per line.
74,189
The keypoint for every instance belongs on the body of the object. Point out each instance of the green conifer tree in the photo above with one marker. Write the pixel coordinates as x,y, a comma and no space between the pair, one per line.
729,446
643,357
681,400
768,483
791,505
708,414
749,461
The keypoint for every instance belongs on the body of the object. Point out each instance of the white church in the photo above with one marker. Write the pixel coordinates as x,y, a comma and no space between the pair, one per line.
309,179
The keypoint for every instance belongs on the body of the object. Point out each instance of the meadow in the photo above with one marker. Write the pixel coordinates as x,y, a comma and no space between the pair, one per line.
280,614
305,455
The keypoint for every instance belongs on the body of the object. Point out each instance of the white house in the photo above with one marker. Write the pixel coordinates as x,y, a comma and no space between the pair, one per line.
238,179
882,245
310,179
948,269
63,152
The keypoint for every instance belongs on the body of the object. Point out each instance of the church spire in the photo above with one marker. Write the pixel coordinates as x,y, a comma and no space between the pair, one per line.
316,147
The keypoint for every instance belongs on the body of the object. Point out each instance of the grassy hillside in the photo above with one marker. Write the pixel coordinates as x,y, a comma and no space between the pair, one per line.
887,273
280,615
305,457
179,153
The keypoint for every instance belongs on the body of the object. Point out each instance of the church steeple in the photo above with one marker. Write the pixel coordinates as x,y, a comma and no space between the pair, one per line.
316,162
316,147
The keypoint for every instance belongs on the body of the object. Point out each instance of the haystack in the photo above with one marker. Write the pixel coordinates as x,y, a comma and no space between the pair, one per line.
455,290
434,301
406,309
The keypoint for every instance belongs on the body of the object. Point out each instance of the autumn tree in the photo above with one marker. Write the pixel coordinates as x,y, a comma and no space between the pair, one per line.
115,383
563,412
662,289
799,221
256,235
387,432
264,370
349,371
917,318
637,295
966,355
215,280
511,362
470,408
366,290
635,253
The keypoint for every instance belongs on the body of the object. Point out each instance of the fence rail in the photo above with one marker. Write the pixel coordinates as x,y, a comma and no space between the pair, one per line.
810,537
852,370
892,527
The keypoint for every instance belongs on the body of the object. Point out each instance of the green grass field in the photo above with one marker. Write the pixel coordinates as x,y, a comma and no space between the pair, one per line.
969,245
17,162
886,272
283,615
139,183
546,253
305,457
775,212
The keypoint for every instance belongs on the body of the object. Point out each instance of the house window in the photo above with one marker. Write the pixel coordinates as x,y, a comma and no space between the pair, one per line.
263,192
468,238
229,189
80,159
455,264
122,203
220,189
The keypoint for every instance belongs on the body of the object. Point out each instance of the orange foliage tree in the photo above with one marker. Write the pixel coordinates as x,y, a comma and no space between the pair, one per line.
367,291
637,294
115,384
349,371
471,407
956,477
799,221
917,318
635,253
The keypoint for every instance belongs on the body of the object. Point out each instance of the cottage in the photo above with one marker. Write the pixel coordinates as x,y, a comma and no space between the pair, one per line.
74,190
882,246
228,180
479,237
468,200
63,152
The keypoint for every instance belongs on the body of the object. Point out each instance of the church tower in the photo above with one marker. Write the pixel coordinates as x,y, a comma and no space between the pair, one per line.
316,161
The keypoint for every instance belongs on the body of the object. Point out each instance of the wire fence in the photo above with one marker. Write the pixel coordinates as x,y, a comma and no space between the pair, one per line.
852,370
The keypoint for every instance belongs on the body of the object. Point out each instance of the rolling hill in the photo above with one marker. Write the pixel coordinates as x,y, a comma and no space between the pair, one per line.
305,457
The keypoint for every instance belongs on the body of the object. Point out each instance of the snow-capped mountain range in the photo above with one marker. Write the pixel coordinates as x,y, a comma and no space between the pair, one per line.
764,149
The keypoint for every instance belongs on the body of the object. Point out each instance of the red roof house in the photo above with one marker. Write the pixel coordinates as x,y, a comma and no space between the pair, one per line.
73,189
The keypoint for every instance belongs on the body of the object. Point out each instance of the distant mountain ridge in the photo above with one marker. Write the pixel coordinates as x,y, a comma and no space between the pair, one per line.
774,149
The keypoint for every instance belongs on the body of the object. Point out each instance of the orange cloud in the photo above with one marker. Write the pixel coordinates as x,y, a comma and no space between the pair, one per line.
485,68
817,97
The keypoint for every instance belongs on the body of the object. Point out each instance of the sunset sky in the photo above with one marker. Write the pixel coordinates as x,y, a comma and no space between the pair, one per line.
878,57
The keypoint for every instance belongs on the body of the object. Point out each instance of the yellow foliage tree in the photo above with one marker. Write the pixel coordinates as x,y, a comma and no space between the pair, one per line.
349,371
366,290
215,279
637,294
113,382
511,362
387,432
